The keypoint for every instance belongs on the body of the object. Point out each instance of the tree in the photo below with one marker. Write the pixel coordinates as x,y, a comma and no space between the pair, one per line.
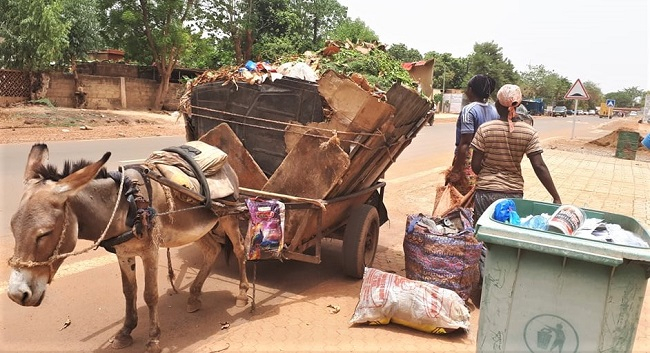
595,96
161,25
35,34
488,59
538,82
83,37
628,97
319,18
233,20
276,30
403,53
354,30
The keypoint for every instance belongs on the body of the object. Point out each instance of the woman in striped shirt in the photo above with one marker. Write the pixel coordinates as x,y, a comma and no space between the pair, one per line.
499,146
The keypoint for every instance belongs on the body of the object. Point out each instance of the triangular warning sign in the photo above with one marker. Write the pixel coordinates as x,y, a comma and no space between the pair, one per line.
577,91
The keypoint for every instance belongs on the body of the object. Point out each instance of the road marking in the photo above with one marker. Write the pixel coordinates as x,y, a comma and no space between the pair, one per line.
73,268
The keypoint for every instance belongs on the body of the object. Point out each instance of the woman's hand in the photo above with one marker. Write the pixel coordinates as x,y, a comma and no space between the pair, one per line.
453,178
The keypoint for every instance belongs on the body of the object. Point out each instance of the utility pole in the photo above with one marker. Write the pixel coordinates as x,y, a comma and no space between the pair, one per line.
442,99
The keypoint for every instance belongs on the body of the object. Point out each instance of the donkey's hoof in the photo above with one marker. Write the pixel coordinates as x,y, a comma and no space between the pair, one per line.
193,305
241,302
121,341
153,347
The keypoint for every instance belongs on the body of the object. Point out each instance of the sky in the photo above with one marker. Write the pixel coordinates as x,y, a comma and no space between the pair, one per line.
602,41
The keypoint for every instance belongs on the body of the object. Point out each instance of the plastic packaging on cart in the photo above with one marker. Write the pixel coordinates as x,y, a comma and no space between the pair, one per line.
265,236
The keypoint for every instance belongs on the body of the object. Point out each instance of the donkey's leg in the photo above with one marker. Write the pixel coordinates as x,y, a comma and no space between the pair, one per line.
150,263
130,288
230,225
210,248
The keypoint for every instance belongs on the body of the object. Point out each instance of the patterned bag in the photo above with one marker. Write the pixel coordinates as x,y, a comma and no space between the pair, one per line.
449,260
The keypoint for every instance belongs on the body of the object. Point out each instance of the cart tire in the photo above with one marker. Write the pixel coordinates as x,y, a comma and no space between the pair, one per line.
360,240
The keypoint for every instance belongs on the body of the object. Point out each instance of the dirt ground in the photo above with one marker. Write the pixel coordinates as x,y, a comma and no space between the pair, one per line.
37,123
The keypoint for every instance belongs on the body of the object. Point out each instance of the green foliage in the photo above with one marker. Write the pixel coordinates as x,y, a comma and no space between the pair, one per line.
354,30
83,15
319,18
403,53
42,101
595,96
378,67
488,59
201,53
628,97
35,33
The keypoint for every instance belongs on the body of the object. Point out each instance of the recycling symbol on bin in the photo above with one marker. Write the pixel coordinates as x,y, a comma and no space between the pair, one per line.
550,333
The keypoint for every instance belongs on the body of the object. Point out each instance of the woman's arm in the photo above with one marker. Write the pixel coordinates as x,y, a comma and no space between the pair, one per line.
544,176
477,161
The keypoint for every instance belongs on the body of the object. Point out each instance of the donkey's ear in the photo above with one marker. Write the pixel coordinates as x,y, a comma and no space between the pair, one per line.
38,156
81,177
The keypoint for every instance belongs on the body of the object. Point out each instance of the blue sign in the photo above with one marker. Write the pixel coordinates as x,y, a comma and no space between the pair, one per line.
611,102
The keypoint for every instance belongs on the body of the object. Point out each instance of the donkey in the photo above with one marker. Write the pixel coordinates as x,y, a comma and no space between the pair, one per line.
84,202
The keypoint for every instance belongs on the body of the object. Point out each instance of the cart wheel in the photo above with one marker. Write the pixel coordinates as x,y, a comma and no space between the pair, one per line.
360,240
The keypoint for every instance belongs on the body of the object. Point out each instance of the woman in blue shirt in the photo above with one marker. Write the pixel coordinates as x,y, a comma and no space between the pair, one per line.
470,118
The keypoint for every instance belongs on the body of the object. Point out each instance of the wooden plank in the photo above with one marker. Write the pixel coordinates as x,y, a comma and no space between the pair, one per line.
312,168
294,131
365,112
249,172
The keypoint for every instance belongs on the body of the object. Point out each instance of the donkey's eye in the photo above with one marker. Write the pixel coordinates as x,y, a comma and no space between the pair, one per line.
43,235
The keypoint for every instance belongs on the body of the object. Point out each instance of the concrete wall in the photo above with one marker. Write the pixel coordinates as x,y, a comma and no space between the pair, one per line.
103,92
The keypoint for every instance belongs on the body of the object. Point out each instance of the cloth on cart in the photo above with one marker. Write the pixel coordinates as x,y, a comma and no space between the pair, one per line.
443,251
222,179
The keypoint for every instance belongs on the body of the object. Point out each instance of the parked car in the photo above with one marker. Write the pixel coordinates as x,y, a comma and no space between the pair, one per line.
570,112
560,110
632,113
580,112
591,112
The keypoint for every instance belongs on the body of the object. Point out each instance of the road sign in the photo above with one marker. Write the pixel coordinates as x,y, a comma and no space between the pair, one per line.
577,91
611,102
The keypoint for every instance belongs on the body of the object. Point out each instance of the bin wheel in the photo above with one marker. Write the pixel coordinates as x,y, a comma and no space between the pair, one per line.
360,240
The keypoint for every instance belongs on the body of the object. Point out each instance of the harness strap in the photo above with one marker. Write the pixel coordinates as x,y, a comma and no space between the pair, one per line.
139,215
185,153
109,244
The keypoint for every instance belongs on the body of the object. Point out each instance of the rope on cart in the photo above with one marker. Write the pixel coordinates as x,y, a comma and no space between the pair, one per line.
286,124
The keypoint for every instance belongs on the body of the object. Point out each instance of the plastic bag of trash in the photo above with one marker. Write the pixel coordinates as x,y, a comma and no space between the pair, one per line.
387,297
506,211
298,70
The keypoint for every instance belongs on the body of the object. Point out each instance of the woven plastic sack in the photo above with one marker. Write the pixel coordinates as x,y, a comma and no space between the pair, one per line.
449,261
387,297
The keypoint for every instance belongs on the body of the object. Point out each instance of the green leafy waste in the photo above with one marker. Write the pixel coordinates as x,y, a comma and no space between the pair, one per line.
377,66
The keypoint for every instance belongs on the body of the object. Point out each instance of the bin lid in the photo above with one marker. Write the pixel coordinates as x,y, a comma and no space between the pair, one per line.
491,231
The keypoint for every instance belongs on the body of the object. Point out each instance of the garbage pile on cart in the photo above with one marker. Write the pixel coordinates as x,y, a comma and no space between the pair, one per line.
320,146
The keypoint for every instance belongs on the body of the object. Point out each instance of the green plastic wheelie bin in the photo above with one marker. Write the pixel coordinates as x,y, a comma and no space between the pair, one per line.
549,292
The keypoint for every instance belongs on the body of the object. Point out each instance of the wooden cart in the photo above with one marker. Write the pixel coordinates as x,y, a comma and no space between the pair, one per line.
320,148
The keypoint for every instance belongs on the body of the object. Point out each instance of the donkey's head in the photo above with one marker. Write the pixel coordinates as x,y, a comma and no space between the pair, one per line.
44,226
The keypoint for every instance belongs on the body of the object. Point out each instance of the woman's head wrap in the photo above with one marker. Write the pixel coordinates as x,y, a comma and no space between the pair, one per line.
509,96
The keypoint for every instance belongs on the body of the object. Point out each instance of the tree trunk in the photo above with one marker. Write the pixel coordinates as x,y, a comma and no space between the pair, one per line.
163,88
236,43
249,44
79,92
